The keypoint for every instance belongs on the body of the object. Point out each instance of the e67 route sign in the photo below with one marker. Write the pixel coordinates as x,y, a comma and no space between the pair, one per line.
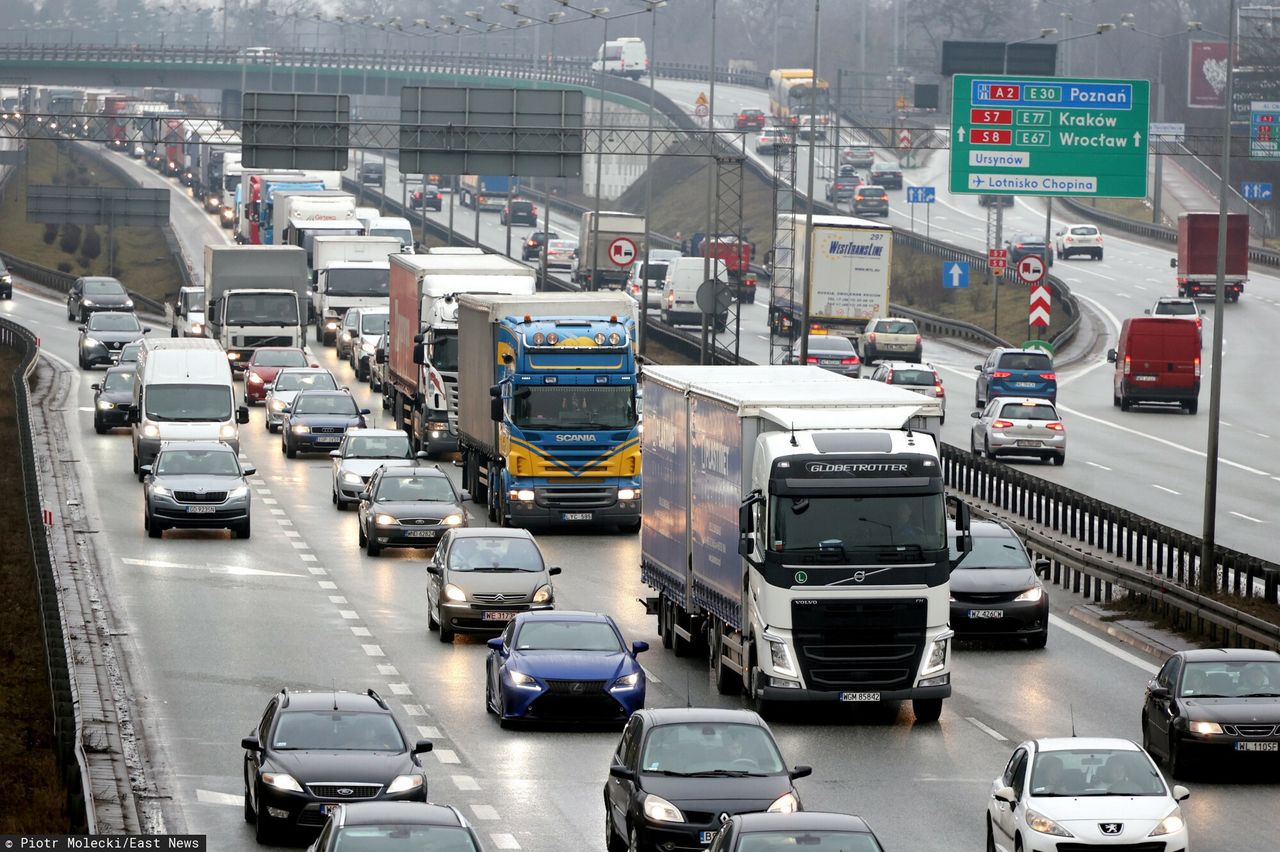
1049,136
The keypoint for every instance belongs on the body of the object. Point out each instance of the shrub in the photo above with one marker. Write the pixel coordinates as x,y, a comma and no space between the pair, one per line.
70,240
50,234
91,245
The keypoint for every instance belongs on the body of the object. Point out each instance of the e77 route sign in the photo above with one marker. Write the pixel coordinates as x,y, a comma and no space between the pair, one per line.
1049,136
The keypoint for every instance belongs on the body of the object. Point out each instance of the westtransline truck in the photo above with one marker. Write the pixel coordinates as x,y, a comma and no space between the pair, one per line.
795,526
421,390
547,415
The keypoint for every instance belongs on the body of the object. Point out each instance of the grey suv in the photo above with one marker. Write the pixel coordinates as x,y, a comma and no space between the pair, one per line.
196,484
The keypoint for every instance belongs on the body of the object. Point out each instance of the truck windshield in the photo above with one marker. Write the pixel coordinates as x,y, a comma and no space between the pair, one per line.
574,407
870,522
262,309
444,352
357,282
193,300
404,236
231,182
188,403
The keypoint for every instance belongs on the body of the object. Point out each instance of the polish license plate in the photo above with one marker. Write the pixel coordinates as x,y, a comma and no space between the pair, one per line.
325,810
1028,443
1144,378
707,837
1257,746
1024,384
851,697
576,516
328,439
828,361
421,534
986,613
200,510
497,615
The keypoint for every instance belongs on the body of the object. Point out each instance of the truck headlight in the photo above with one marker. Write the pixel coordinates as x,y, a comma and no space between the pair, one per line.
937,659
628,493
228,432
780,656
151,430
524,495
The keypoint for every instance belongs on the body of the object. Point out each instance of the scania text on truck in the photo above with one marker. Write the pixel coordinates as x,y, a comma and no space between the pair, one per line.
1197,260
256,297
485,192
795,527
347,272
624,232
547,414
422,337
852,261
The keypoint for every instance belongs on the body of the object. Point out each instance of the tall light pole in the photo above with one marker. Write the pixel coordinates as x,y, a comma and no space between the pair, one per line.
643,332
807,248
709,270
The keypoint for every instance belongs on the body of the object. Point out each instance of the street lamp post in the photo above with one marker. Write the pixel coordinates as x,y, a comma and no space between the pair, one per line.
807,281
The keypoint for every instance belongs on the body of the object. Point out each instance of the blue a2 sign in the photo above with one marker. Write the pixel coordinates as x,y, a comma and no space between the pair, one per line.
955,275
921,195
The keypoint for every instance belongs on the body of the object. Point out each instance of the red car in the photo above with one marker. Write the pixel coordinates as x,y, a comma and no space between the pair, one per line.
265,364
750,119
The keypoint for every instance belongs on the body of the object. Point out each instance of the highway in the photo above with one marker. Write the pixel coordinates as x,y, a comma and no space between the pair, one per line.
211,627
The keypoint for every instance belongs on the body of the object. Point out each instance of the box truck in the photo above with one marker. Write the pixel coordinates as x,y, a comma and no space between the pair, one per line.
256,297
1197,260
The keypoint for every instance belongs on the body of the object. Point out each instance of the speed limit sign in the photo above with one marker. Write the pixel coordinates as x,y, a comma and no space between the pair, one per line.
622,252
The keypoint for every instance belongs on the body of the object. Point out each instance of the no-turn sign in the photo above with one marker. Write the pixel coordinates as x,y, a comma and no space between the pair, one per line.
622,252
1031,269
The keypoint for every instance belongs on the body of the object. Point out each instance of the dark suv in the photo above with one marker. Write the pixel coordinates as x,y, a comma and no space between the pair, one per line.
373,174
314,751
519,213
843,188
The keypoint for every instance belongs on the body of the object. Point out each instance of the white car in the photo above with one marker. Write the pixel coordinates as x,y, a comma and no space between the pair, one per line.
1179,307
1078,239
656,271
281,392
361,453
1084,793
560,253
1019,426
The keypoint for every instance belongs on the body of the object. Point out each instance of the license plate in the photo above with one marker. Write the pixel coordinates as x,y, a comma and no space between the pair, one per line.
705,837
325,810
828,361
1028,443
986,613
850,697
421,534
575,516
328,440
200,510
497,615
1257,746
1024,384
1144,378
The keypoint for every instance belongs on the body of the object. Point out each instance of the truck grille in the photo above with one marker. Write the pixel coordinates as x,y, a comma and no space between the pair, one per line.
266,340
200,496
571,498
860,645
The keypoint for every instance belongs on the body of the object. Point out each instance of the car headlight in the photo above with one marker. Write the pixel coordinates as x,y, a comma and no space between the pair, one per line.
659,809
543,595
787,803
1205,728
330,325
454,594
128,303
88,303
197,328
151,430
454,520
228,432
254,378
404,783
1031,595
523,680
238,493
1171,824
103,405
352,479
231,355
626,682
88,342
300,428
780,655
277,405
281,781
628,493
383,520
160,491
1041,823
937,656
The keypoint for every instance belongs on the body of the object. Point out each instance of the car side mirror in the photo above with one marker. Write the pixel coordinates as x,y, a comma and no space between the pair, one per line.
800,772
466,495
145,469
433,569
134,416
365,411
495,644
1173,263
380,356
1159,693
146,331
1042,567
639,647
287,409
366,493
978,367
621,772
1180,793
96,386
1111,356
335,454
80,328
975,414
422,746
1005,794
242,415
250,744
269,386
554,571
422,454
249,470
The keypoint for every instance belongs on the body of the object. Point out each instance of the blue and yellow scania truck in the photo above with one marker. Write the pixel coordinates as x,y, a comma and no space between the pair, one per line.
547,411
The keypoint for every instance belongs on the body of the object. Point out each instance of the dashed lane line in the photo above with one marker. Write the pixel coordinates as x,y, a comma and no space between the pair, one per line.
1248,517
987,729
1168,490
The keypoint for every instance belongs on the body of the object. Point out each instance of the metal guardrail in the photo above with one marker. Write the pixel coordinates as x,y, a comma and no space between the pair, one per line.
68,744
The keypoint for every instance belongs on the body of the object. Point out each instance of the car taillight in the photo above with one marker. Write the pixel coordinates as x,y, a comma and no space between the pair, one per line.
531,242
1055,427
810,360
937,389
1099,238
1049,377
871,337
1001,374
1128,365
1002,424
533,212
1197,363
1070,239
1199,322
849,361
917,340
858,197
481,199
1018,245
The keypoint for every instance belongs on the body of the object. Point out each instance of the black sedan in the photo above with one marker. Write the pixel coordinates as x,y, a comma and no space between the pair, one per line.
830,352
1219,702
96,293
311,752
812,829
1026,245
427,198
534,243
886,175
678,772
112,399
519,213
104,335
316,421
995,590
397,825
842,189
410,506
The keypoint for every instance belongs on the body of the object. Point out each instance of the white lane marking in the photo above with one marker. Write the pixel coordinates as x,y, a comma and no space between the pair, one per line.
1260,435
375,651
292,534
1248,518
270,501
337,599
265,491
1104,645
361,631
233,570
1162,488
488,813
447,756
384,669
414,709
349,614
284,522
213,797
328,584
277,511
1225,423
503,840
464,782
300,545
1095,464
1122,295
429,732
987,729
650,676
308,557
400,689
317,570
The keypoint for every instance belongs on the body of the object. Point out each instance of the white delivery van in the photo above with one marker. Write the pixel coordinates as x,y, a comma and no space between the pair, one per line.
394,226
183,392
366,215
680,292
625,57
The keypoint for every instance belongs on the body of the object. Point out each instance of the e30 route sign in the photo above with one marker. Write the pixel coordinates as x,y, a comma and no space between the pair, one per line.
1049,136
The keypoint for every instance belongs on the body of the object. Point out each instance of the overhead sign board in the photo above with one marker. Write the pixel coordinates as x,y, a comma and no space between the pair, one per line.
1168,131
295,131
1049,136
997,57
1264,130
98,205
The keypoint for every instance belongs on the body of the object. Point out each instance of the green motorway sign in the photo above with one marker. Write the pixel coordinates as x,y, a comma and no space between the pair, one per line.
1049,136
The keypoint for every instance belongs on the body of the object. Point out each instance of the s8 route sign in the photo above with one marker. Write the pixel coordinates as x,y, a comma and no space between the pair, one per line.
1049,136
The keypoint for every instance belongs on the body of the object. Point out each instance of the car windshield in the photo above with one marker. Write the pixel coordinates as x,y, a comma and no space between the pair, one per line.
1028,411
918,378
1030,361
574,407
1232,679
279,358
197,463
103,288
346,281
109,321
489,553
872,192
327,730
130,352
380,447
444,351
711,748
1176,309
991,551
121,381
810,841
653,271
896,327
1101,772
824,343
324,404
521,207
844,524
187,403
544,635
415,489
310,380
404,235
404,838
373,323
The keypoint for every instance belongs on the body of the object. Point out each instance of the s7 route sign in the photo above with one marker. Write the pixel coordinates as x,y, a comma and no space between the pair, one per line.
1049,136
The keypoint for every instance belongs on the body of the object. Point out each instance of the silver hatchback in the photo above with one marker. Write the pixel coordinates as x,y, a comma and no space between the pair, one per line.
1019,426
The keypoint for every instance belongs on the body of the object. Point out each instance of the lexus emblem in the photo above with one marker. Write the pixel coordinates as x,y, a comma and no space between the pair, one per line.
1111,829
576,688
344,791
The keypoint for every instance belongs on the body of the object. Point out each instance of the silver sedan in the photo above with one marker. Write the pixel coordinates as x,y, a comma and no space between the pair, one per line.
1019,426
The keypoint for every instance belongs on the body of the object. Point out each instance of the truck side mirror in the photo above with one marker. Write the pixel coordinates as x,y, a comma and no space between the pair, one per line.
419,354
747,524
242,415
964,539
495,410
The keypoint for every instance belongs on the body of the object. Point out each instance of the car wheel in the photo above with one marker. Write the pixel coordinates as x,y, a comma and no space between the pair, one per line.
1125,404
488,696
973,446
290,452
264,828
99,426
371,547
243,531
80,359
1098,255
991,837
1060,459
154,528
1039,640
927,709
360,534
173,332
1115,399
1179,765
446,632
986,448
432,624
272,427
1192,406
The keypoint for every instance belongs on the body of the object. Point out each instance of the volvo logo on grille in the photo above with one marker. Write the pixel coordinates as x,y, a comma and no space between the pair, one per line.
1111,829
344,791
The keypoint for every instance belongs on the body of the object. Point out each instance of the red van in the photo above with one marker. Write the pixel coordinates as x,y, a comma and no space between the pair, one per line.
1158,360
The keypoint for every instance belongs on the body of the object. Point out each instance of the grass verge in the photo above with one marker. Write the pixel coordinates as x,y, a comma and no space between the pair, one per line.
142,262
30,787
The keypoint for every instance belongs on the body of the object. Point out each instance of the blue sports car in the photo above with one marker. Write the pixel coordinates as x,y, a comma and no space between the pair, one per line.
555,666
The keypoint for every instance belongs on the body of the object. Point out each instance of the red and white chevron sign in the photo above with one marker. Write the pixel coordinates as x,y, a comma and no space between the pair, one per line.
1040,306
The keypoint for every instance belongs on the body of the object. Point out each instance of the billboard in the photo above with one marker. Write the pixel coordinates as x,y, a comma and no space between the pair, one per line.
1207,69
